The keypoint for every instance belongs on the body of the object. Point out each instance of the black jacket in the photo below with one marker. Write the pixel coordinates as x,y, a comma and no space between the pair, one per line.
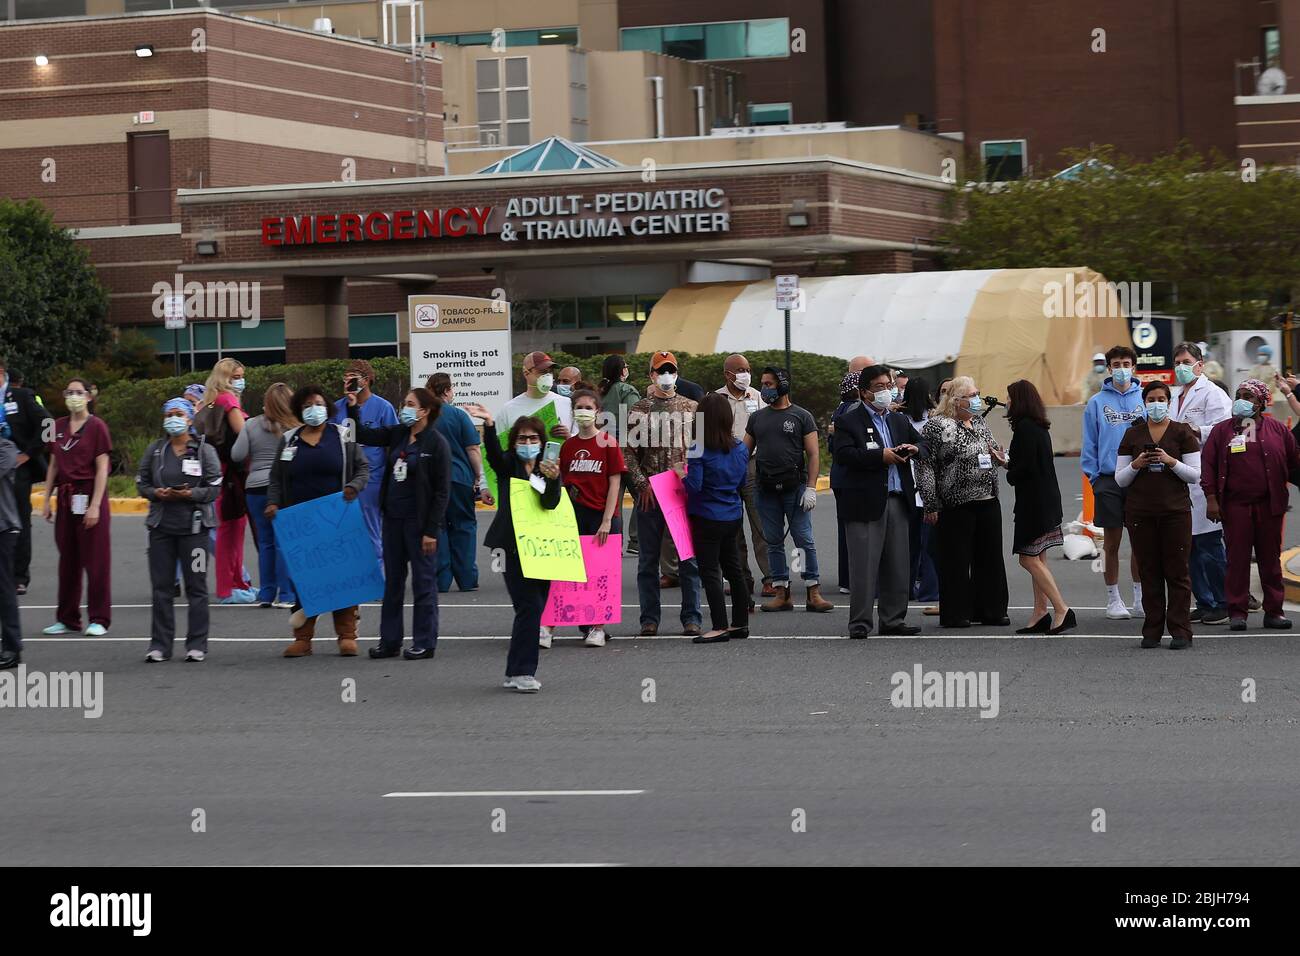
433,471
27,419
859,474
354,474
507,465
1032,473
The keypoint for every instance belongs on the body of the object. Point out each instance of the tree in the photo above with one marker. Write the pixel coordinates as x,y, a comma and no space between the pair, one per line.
1224,238
52,307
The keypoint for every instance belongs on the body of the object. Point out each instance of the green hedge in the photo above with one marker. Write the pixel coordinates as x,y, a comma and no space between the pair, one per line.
133,409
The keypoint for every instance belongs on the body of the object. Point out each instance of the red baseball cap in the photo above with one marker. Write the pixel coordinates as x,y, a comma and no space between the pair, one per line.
538,362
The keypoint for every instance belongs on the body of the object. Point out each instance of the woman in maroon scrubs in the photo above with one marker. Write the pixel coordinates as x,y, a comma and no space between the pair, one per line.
78,472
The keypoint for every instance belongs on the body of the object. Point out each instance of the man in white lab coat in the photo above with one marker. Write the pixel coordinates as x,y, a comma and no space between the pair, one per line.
1202,405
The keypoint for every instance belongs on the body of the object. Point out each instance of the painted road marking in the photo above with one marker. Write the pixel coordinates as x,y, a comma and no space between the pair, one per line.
516,793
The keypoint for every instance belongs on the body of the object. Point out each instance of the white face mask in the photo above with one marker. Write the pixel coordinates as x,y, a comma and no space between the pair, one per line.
742,380
544,382
667,381
882,400
237,385
314,415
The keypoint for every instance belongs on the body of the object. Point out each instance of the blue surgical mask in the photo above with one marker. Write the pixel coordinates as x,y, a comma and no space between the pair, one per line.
528,452
770,395
314,415
976,404
409,415
1157,411
1184,373
174,425
237,385
1121,376
565,390
1242,408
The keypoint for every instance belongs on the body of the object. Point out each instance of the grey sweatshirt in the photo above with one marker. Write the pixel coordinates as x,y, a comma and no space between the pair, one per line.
256,443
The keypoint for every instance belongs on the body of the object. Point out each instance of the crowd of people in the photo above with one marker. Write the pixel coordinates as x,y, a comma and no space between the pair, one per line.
1199,482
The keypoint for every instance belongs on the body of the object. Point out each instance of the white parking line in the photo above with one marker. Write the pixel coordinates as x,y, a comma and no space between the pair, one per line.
575,638
516,793
444,607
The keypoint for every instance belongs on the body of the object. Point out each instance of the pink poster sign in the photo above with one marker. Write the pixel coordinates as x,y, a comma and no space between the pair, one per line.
600,599
671,495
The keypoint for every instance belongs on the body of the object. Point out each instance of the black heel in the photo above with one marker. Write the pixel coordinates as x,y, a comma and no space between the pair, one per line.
1069,622
738,633
1041,626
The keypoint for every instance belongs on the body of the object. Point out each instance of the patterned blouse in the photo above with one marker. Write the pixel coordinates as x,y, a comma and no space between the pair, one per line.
951,474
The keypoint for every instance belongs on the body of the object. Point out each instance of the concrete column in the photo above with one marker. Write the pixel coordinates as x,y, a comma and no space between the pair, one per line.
315,318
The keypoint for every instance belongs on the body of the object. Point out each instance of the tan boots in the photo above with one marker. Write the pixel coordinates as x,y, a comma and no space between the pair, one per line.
345,626
781,602
815,600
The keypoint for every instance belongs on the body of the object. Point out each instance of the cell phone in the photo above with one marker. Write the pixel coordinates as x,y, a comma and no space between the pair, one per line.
1149,447
552,452
902,452
353,385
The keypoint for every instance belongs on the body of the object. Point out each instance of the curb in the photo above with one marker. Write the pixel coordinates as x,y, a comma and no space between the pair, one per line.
1290,581
116,506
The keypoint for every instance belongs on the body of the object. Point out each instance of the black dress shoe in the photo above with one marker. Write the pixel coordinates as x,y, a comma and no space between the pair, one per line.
1041,626
10,660
1068,622
859,634
1277,622
380,650
1238,624
900,630
1178,643
719,638
995,622
738,633
417,654
1149,643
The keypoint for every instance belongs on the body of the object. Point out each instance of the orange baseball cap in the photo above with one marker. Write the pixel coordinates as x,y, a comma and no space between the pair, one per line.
663,358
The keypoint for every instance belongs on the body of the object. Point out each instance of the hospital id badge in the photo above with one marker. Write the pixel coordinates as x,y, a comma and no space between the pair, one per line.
872,446
80,503
985,460
751,406
190,466
399,470
288,453
1237,444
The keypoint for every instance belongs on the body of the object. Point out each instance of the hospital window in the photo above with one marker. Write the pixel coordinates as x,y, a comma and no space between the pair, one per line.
547,36
203,343
1003,159
373,336
41,9
589,312
1271,43
503,96
770,114
734,40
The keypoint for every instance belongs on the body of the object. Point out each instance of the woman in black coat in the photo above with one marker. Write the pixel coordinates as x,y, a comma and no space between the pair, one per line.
1031,472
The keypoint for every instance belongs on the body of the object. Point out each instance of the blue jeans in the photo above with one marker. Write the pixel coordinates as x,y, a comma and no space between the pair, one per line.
778,509
402,550
272,572
651,529
1208,563
457,540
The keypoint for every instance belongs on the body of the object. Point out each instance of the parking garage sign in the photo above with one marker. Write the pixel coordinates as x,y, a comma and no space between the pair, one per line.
466,337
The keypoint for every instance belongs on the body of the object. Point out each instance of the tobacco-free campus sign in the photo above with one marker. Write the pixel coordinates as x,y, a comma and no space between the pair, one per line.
466,337
609,215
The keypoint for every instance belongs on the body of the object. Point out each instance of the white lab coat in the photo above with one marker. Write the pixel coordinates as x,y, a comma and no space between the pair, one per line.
1205,406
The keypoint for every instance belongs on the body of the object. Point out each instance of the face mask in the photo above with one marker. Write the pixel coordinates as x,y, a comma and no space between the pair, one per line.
893,392
565,390
237,385
314,415
584,416
1099,367
1121,376
1156,411
1184,373
1242,408
76,403
174,425
881,400
528,452
667,381
1263,359
742,380
544,382
409,415
770,395
976,404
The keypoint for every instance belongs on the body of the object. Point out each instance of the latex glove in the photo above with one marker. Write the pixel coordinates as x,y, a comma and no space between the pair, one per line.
809,499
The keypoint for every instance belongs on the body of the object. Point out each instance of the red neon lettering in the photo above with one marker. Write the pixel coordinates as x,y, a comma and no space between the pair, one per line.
480,216
350,227
270,226
326,226
404,224
427,224
376,226
297,230
449,228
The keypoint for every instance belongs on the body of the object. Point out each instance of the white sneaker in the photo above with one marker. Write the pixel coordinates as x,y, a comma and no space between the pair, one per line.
154,657
595,637
844,590
283,605
527,684
195,656
544,637
1116,610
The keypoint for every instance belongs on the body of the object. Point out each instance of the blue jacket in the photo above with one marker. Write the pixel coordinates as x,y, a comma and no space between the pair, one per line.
1108,415
714,481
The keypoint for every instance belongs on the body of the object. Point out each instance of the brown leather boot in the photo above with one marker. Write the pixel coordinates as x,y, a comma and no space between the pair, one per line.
815,600
345,626
301,646
781,602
